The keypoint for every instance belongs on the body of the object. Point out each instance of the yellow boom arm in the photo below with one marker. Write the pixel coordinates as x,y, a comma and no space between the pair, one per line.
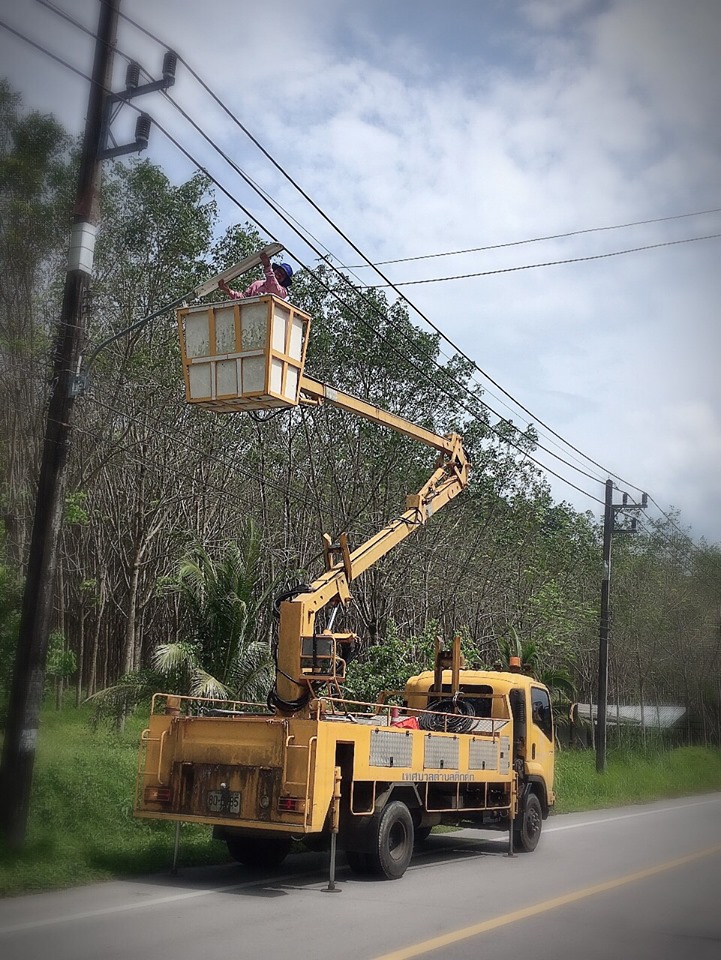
249,354
297,615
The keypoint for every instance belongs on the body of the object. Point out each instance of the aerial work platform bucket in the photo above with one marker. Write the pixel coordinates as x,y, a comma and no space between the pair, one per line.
243,354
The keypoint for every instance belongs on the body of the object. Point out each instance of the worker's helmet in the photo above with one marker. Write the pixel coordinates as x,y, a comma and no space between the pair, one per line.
288,270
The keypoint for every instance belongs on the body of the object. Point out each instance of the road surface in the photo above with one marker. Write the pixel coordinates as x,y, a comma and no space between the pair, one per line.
629,883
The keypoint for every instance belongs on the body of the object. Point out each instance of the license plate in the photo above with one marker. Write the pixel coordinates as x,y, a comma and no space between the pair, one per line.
224,801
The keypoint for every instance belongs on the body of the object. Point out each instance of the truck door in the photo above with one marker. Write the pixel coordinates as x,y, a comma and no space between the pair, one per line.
540,755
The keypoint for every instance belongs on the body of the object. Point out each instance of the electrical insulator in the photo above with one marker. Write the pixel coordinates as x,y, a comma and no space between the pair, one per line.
170,62
132,75
142,131
625,499
633,524
644,500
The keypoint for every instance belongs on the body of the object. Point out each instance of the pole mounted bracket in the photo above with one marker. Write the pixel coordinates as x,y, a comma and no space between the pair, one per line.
78,385
133,88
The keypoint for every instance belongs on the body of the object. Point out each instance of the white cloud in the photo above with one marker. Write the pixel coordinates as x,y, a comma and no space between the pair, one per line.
419,129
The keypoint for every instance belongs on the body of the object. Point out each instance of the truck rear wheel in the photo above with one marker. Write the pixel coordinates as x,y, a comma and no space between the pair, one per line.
259,852
391,842
528,823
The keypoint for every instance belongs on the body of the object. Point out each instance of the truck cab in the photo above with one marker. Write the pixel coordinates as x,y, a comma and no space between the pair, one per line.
481,696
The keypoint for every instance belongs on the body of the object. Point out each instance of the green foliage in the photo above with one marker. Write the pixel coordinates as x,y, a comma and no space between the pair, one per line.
34,177
133,690
634,777
76,511
61,663
388,664
81,828
154,236
226,654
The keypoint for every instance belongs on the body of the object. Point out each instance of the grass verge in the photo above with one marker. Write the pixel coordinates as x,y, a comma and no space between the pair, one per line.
634,777
81,828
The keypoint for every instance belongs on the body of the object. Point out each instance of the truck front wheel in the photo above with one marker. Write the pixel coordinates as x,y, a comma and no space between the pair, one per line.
259,852
391,842
527,825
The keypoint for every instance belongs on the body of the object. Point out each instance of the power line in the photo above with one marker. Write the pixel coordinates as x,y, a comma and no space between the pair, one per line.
368,262
547,263
334,293
455,347
524,453
272,203
341,233
48,53
552,236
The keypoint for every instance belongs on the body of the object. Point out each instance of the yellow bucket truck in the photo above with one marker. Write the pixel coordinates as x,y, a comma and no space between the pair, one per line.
463,747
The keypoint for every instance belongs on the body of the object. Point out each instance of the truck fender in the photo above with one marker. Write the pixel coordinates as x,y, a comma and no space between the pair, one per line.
354,828
535,785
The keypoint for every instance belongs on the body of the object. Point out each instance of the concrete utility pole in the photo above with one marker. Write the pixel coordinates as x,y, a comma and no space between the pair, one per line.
609,528
602,698
27,690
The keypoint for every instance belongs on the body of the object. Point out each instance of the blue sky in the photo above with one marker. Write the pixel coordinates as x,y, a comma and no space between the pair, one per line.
422,128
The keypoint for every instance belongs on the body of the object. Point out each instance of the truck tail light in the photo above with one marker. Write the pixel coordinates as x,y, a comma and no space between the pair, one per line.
291,804
157,795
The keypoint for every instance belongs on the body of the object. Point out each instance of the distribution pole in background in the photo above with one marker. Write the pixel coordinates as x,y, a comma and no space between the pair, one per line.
609,528
608,521
26,694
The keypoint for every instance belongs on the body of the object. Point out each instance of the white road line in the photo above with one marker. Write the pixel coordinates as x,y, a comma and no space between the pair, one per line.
628,816
193,894
140,905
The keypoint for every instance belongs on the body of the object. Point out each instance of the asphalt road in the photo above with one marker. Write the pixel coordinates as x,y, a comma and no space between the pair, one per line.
629,884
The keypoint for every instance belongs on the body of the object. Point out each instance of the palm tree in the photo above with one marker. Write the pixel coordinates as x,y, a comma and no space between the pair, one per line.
227,655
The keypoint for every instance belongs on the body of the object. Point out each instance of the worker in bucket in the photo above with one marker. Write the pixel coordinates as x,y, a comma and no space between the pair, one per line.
278,277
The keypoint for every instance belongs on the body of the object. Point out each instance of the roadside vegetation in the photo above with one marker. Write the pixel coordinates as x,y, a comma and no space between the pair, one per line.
82,829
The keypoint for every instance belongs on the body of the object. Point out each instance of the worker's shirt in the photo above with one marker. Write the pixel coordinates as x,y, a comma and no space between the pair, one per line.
259,287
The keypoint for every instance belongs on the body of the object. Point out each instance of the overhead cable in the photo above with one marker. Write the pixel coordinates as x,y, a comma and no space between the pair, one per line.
552,236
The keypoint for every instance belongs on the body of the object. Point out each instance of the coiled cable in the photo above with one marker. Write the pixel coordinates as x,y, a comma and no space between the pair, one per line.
453,715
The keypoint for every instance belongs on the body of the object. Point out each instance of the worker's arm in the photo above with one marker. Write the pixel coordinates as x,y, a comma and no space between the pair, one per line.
271,282
233,294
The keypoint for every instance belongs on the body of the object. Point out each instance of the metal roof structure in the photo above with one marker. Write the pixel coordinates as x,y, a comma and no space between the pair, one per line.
662,716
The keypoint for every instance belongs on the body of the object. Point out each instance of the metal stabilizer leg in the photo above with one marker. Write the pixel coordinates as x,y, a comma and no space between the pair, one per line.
174,868
331,888
335,814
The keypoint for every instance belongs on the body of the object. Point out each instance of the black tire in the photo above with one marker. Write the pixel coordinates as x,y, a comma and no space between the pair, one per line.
527,825
259,852
391,841
358,862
